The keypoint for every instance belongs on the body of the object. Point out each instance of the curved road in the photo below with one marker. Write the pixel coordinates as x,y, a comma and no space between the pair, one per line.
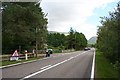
65,65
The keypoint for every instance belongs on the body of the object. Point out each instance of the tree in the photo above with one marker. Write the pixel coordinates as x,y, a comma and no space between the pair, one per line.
56,39
108,36
20,21
76,40
71,39
80,41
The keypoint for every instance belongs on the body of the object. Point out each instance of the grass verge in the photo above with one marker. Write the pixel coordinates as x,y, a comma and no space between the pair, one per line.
7,62
104,69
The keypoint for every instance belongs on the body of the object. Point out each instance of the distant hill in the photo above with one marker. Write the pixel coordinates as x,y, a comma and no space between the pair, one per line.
92,40
65,33
52,32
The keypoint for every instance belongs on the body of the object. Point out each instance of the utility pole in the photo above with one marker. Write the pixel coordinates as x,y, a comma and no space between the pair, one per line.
36,43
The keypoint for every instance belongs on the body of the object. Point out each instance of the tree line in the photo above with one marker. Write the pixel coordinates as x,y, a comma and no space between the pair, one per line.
74,40
24,25
109,37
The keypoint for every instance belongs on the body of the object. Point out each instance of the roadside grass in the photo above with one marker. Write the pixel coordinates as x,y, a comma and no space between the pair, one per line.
8,62
104,69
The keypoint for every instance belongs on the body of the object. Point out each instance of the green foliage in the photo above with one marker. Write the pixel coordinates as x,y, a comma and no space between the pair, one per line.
23,24
71,39
76,40
80,41
56,39
109,36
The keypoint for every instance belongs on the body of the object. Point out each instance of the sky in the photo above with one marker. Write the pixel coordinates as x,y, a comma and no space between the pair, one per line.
82,15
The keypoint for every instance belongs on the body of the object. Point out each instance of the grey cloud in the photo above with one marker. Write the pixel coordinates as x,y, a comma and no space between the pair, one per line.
59,12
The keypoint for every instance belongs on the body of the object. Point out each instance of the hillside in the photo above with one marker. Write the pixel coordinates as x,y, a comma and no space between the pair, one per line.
92,40
65,33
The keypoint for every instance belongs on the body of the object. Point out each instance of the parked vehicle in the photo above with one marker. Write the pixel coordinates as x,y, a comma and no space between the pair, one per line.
86,49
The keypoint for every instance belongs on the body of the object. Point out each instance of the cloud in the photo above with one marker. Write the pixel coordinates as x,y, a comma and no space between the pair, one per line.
87,29
63,14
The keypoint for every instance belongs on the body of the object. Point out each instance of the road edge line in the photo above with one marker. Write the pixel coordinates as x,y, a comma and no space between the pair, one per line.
21,63
16,64
93,67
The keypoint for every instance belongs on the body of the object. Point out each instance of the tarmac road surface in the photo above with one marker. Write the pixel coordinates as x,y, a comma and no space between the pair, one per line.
65,65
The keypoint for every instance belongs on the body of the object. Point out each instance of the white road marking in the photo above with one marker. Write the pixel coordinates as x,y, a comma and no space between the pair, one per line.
10,65
17,64
43,70
49,67
45,67
29,61
22,63
79,54
93,67
71,57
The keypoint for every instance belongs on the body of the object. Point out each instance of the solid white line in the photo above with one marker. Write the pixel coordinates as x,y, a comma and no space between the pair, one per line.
45,67
22,63
29,61
10,65
93,67
18,63
49,67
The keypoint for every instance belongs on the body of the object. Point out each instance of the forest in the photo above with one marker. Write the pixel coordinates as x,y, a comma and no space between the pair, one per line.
24,27
74,40
109,37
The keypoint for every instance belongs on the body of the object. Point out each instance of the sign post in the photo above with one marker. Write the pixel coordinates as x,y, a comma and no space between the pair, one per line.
26,55
15,56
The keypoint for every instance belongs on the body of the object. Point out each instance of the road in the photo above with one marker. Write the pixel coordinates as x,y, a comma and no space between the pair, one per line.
65,65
